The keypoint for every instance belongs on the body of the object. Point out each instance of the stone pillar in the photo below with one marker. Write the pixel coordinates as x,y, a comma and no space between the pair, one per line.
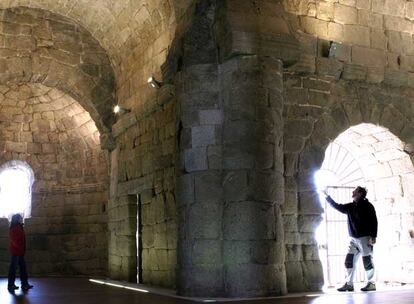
253,185
199,190
230,184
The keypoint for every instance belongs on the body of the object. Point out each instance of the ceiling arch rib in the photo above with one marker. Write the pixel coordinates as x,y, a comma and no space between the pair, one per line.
117,25
42,47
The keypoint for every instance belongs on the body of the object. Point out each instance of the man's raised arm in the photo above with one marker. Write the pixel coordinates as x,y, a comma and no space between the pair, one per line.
341,208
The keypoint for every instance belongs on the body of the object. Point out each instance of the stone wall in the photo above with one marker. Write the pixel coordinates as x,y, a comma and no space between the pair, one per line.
66,235
354,66
144,162
143,172
318,107
58,139
345,62
373,34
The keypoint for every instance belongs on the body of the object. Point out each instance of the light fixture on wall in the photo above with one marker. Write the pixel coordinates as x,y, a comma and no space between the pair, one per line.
154,83
120,110
333,49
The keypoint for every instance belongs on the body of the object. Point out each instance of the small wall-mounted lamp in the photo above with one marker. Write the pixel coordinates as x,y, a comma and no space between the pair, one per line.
120,110
154,83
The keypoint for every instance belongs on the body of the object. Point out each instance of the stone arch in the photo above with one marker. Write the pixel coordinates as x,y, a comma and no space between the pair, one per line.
42,47
57,137
358,103
120,27
349,103
371,156
107,20
53,133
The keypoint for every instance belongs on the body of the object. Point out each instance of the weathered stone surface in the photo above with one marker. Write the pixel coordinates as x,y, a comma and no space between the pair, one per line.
239,218
201,276
266,186
208,187
262,275
238,157
196,159
301,128
308,223
367,56
309,203
211,117
345,14
356,34
294,276
312,275
205,221
207,252
235,185
265,156
294,253
290,222
354,72
202,136
215,157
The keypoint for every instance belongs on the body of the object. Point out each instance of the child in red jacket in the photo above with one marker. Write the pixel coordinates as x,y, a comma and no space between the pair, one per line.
17,248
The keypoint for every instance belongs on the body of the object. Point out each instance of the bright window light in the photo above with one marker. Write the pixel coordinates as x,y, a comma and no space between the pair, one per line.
16,179
323,179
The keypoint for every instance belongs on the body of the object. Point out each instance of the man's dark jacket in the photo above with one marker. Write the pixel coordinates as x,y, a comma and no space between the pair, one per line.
362,219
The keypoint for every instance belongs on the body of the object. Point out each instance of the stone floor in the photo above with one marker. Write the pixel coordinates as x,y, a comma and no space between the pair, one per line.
81,291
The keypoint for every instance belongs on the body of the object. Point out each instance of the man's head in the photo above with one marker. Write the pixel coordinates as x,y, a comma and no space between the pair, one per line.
359,193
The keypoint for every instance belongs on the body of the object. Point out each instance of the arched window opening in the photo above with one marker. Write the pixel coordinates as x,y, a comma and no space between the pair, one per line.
370,156
16,180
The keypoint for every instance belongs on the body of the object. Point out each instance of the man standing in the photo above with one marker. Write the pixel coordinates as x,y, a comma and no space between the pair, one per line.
362,228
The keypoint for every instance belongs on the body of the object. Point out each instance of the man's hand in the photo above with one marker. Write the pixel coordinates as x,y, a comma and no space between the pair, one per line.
372,241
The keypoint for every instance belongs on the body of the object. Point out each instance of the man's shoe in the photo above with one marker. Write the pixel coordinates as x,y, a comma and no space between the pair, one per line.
12,287
370,287
346,287
27,287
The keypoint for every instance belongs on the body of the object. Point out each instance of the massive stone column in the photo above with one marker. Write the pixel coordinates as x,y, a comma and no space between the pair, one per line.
231,183
252,164
199,190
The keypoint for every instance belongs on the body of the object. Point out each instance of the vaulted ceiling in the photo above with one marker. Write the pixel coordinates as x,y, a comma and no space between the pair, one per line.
118,25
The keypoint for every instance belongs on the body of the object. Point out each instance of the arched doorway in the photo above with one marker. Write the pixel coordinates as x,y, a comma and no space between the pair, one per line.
373,157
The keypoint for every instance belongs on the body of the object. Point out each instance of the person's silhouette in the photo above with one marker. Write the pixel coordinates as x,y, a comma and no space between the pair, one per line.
362,228
17,248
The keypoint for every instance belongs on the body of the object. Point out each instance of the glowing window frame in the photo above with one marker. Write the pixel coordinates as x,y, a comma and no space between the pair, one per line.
27,170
